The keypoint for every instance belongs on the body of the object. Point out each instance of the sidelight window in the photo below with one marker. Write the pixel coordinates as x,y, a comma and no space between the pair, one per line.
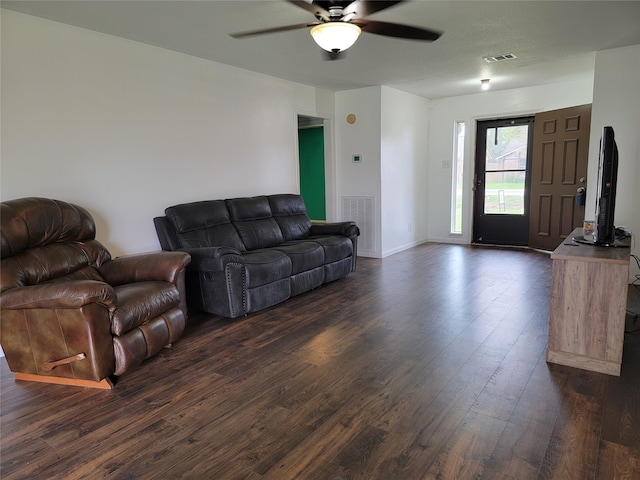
457,177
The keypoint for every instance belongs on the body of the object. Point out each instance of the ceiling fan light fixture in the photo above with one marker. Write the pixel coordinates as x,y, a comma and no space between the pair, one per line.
335,36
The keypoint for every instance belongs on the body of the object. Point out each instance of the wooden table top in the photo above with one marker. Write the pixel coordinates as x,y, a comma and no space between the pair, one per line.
571,250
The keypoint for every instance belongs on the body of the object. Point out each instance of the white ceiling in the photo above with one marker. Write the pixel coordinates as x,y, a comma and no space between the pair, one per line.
555,41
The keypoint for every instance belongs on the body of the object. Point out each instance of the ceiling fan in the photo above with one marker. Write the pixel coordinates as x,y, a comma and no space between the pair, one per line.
339,23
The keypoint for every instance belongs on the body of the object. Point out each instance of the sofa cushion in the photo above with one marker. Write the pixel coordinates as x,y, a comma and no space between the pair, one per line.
140,302
304,255
266,266
335,247
204,224
290,213
254,222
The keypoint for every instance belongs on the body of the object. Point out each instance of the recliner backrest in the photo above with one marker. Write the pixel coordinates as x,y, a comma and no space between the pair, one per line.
254,221
290,212
47,240
204,224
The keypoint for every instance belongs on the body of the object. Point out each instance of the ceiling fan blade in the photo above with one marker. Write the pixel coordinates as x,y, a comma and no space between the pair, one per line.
317,11
399,31
271,30
363,8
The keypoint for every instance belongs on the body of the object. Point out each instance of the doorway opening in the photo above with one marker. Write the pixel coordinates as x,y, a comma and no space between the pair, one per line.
502,181
311,159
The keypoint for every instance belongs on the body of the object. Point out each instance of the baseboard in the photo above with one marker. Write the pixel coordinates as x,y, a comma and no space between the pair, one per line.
455,240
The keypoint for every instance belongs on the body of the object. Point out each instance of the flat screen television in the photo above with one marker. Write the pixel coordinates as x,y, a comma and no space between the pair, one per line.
606,189
605,230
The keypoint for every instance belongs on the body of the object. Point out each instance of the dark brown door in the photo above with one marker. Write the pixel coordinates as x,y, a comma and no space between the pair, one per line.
559,170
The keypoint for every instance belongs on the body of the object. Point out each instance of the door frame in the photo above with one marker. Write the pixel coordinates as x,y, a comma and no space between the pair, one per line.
519,239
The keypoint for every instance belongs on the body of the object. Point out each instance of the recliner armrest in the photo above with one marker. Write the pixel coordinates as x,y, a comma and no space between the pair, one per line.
209,259
160,266
348,229
71,294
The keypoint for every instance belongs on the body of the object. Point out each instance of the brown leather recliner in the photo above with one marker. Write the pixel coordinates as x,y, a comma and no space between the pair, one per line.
70,313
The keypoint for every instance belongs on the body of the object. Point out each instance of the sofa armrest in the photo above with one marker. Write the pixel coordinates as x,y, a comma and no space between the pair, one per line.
348,229
207,259
166,234
160,266
71,294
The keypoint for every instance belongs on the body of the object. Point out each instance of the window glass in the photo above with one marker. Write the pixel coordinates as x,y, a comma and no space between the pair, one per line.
457,177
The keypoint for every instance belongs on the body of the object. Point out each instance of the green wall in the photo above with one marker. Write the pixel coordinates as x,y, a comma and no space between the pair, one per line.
312,185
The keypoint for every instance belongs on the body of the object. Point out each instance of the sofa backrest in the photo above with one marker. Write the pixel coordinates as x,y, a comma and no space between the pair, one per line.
253,219
290,213
245,223
46,240
204,224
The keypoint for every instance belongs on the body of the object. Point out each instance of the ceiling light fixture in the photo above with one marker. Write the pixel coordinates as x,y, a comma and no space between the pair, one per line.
335,36
485,83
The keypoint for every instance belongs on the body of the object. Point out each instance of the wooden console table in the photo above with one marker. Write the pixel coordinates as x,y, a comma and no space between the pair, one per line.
588,306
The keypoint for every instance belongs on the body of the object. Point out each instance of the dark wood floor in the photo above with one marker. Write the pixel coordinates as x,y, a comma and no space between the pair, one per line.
429,364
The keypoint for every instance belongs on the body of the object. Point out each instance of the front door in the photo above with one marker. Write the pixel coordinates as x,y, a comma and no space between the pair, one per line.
501,199
559,173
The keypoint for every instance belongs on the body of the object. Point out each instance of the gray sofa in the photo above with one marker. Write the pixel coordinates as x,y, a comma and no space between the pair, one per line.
250,253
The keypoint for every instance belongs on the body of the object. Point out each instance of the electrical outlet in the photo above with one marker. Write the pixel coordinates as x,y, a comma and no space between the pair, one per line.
409,227
446,164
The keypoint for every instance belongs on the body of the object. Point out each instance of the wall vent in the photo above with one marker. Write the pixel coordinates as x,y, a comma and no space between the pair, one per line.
499,58
362,211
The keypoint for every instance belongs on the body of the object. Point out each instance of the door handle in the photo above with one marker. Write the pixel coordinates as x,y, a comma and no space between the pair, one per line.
476,182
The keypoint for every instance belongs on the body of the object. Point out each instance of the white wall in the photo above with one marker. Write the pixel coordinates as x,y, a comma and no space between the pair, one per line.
403,170
363,138
390,133
126,129
470,108
616,103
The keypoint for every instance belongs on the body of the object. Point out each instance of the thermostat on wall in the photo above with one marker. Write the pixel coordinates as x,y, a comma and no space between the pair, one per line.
357,158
